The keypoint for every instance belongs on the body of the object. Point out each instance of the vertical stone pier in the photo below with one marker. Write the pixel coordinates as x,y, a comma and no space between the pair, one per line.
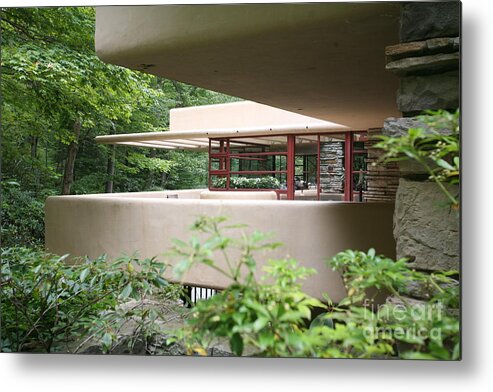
332,167
427,61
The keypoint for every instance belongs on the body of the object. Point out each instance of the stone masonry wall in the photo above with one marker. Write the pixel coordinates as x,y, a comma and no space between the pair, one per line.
427,62
332,167
382,179
427,59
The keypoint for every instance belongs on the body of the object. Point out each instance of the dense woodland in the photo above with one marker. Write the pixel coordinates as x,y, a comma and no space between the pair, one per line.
57,96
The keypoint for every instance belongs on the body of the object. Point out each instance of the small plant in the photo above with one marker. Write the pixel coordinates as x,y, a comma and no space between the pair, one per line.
266,314
47,305
22,217
435,150
402,326
247,183
270,316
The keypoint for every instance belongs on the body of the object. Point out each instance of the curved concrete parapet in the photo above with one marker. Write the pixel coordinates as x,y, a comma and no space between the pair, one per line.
311,231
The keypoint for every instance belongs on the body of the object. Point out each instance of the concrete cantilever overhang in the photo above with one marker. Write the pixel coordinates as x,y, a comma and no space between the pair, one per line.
324,60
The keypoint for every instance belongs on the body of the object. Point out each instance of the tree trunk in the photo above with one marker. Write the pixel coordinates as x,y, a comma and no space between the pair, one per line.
110,167
150,175
68,175
34,166
34,147
164,179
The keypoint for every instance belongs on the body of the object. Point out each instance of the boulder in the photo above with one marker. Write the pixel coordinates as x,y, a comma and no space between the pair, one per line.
423,92
426,229
397,127
422,20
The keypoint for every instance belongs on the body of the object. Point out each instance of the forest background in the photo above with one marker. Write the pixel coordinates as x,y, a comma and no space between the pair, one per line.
57,97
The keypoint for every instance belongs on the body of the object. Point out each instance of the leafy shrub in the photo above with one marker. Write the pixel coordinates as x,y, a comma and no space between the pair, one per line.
247,183
22,217
189,170
436,148
270,315
410,329
267,316
48,305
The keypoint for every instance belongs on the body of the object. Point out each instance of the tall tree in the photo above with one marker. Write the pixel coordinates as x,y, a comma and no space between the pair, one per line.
57,96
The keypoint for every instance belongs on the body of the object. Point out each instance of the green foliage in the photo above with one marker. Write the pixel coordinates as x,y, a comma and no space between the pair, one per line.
189,170
267,313
22,217
51,80
270,315
436,148
265,182
414,329
47,305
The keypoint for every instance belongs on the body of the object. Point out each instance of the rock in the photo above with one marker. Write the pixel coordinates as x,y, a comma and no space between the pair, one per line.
395,301
130,346
424,65
423,291
406,49
426,230
217,352
160,347
422,48
332,167
442,45
422,20
438,91
397,127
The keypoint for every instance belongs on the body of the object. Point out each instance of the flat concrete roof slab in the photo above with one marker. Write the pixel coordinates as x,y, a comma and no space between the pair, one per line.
324,60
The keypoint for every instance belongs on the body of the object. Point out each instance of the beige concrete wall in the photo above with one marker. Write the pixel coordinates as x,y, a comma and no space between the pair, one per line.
252,195
244,114
311,231
182,194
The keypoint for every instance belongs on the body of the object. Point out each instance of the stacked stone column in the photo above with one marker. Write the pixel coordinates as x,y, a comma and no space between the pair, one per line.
332,167
427,62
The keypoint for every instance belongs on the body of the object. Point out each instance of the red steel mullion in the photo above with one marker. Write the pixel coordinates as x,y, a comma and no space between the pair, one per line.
348,166
210,164
218,154
228,165
221,155
257,172
290,166
253,190
219,172
247,158
269,153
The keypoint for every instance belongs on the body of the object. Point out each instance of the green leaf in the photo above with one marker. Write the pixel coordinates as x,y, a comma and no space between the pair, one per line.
160,282
417,355
107,340
444,164
456,352
236,344
126,291
84,274
260,323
